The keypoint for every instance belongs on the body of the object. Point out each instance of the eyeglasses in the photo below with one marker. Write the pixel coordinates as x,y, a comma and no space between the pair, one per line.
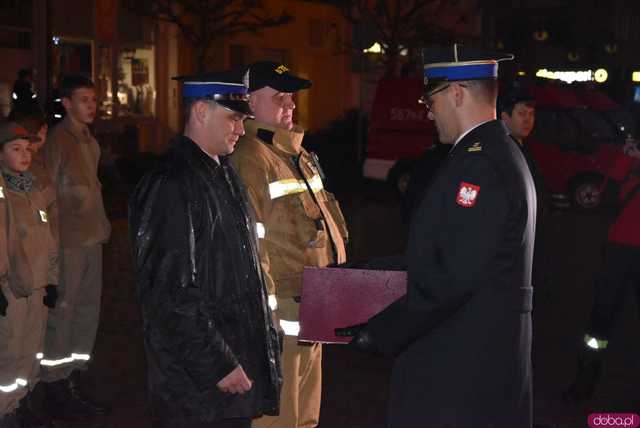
427,100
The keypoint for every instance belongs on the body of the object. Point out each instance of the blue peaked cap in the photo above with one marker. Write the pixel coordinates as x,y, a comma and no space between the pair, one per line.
456,62
227,88
194,89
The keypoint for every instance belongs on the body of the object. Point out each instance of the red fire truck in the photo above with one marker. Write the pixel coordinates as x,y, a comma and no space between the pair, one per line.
576,143
399,131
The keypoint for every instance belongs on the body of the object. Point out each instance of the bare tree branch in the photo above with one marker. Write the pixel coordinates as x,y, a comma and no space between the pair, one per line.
399,24
201,22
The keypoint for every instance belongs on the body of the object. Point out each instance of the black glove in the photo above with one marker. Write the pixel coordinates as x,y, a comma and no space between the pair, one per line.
3,304
51,297
362,340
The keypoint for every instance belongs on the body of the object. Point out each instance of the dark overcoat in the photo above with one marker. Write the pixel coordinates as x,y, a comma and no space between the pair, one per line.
461,336
200,287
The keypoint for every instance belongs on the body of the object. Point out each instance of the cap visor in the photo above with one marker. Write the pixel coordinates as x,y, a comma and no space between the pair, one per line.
237,106
32,138
430,87
289,83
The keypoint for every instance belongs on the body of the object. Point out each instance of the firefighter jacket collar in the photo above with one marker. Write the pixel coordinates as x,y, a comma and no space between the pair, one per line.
288,141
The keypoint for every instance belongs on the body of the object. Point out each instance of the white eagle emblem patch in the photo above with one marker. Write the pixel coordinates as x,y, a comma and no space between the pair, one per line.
467,194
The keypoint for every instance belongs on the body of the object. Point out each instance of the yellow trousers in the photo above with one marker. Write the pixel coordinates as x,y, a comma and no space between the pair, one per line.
301,389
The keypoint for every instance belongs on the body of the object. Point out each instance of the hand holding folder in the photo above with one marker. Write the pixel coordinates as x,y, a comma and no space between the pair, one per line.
334,298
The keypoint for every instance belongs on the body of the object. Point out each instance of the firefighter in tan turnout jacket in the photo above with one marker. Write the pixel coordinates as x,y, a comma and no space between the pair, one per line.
300,224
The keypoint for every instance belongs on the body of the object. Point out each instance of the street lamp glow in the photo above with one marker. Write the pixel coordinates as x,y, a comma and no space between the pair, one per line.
635,76
600,75
374,48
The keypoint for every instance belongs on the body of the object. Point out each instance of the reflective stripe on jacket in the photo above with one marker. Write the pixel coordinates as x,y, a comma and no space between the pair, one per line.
302,222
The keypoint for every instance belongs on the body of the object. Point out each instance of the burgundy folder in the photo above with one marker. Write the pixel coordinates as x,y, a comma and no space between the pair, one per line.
334,298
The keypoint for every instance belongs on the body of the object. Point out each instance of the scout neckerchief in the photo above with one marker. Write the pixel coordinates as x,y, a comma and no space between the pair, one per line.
21,182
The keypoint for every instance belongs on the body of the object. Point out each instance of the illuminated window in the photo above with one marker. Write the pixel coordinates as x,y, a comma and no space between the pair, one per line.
136,82
72,56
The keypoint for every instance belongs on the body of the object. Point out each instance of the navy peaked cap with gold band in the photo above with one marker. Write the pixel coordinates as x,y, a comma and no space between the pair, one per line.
456,62
276,76
227,88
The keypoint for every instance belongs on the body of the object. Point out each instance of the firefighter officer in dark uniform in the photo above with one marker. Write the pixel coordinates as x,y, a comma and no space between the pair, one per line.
461,336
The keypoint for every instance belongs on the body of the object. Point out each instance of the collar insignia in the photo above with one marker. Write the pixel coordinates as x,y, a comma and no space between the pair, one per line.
475,147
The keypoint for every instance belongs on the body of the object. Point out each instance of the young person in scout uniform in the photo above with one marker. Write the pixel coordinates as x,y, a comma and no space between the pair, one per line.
33,252
34,121
71,155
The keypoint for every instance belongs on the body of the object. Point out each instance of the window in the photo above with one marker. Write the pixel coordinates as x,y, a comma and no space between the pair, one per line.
136,82
622,120
16,13
555,127
71,56
594,125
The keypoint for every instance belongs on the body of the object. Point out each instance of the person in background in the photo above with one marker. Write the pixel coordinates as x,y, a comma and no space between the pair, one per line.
517,109
71,155
32,289
619,277
22,94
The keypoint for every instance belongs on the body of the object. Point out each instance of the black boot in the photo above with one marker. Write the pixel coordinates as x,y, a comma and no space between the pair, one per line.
10,420
584,384
65,402
30,416
94,407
